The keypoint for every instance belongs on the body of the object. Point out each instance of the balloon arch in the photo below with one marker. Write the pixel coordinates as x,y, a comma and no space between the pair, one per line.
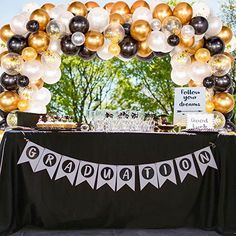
32,44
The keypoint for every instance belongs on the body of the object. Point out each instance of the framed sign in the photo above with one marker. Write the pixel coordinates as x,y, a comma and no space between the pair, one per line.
200,121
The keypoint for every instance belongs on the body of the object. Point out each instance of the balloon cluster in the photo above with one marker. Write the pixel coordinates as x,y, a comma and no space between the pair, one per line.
32,44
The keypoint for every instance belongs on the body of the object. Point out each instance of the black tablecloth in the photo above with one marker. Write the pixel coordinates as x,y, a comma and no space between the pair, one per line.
28,198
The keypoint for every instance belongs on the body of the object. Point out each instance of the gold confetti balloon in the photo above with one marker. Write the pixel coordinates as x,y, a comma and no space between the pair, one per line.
12,63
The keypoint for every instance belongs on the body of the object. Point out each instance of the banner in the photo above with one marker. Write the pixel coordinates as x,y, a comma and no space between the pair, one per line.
116,177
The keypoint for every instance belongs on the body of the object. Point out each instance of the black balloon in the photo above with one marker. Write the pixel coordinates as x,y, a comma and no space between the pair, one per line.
200,24
32,26
161,54
149,58
209,82
23,81
16,44
127,27
223,83
9,82
86,54
128,47
229,116
1,89
68,47
230,90
215,45
230,126
79,24
173,40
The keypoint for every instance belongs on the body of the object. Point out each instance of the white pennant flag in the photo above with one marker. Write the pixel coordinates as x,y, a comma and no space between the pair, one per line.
204,159
185,165
125,176
106,175
87,172
49,162
166,171
148,174
32,154
68,167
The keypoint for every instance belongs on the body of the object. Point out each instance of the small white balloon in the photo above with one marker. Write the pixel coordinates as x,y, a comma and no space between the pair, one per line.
142,13
51,59
32,69
104,53
200,8
36,108
51,76
43,96
30,7
18,24
65,18
198,71
180,76
156,24
215,26
231,46
78,38
55,46
187,31
157,41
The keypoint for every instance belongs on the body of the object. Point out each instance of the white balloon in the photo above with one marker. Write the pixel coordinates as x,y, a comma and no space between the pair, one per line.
176,50
65,18
18,24
32,69
198,71
30,7
98,19
78,38
167,48
231,46
55,46
180,76
142,13
156,24
43,96
215,26
180,59
201,9
57,11
51,76
104,53
36,108
199,37
157,41
187,31
51,59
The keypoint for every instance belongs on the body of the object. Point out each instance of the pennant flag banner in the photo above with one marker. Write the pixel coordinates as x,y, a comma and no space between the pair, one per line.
117,177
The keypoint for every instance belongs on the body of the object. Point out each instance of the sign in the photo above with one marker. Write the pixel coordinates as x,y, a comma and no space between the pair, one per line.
188,100
200,121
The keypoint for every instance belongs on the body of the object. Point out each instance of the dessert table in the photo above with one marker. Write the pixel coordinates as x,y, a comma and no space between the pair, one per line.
29,197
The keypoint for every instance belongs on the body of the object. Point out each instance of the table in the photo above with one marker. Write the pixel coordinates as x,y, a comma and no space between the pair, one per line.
28,198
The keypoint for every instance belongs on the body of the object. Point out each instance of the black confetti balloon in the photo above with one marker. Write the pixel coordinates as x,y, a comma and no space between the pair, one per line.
215,45
23,81
127,27
68,47
17,43
9,82
86,54
32,26
173,40
223,83
209,82
200,24
79,24
129,47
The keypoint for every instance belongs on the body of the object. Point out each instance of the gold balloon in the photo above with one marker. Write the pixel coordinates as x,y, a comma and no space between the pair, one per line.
23,105
29,54
144,50
12,63
109,6
8,101
121,8
193,59
231,57
140,30
161,11
117,18
78,9
114,49
38,83
192,83
6,33
90,5
226,34
203,55
210,106
39,41
184,12
42,17
197,45
94,41
48,7
224,102
186,42
137,4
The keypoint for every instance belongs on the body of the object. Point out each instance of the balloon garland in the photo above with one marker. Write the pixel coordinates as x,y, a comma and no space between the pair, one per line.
32,44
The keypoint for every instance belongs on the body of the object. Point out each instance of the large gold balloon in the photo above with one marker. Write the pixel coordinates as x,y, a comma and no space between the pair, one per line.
8,101
78,9
203,55
90,5
29,54
161,11
114,49
183,11
6,33
38,83
226,34
231,57
94,41
23,105
117,18
42,17
121,8
140,30
197,45
137,4
108,6
39,41
186,42
210,106
48,7
224,102
143,49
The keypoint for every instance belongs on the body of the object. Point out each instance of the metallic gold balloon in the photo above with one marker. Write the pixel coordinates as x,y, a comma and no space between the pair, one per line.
226,34
90,5
121,8
203,55
117,18
140,30
38,83
42,17
8,101
183,11
143,49
48,7
137,4
108,6
197,45
210,106
186,42
114,49
224,102
39,41
29,54
231,57
161,11
78,8
6,33
23,105
94,41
